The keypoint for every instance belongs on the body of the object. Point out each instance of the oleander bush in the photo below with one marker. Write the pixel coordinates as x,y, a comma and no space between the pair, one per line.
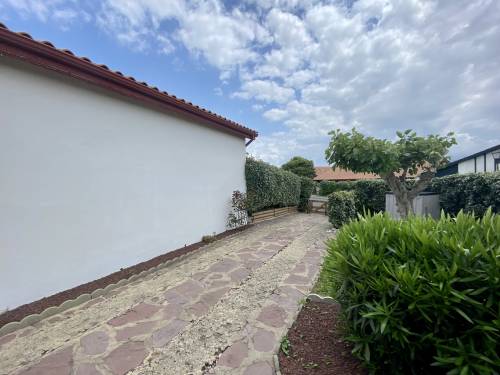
473,192
306,189
269,186
420,296
341,207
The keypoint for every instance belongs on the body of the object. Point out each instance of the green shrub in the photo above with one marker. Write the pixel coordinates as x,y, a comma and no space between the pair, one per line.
341,207
269,186
420,296
306,189
328,187
370,195
473,192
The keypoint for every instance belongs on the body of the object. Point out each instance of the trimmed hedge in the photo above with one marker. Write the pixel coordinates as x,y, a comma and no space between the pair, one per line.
370,194
269,186
341,207
328,187
473,192
421,296
306,189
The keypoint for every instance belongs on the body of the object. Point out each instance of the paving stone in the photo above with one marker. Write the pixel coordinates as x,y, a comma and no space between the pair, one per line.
58,363
172,310
263,340
295,294
197,309
299,268
7,338
272,315
87,369
259,368
239,274
142,311
173,297
218,283
94,343
126,357
162,336
211,298
189,289
234,355
224,265
139,329
297,279
273,247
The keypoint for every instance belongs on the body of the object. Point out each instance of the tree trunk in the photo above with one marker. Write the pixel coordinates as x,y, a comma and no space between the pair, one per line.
404,202
404,197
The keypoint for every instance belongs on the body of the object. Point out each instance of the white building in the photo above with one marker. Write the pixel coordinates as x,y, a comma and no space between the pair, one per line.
99,172
483,161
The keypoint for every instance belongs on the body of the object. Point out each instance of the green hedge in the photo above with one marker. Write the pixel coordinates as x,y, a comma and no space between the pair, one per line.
306,189
328,187
473,192
341,207
421,296
269,186
370,194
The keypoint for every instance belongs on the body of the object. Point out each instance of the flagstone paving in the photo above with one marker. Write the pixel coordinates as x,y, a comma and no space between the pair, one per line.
220,310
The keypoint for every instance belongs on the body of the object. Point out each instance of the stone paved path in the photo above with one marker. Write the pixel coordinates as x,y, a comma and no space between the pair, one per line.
221,310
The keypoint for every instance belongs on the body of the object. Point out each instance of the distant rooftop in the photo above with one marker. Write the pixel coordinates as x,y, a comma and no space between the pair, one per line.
338,174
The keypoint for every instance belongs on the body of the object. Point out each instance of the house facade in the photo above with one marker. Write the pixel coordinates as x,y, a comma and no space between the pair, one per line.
487,160
99,172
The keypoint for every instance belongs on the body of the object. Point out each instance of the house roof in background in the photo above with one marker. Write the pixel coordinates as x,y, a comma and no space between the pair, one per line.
338,174
23,47
490,149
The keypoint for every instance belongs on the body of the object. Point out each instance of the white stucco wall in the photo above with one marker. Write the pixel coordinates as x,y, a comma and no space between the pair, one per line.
91,182
467,166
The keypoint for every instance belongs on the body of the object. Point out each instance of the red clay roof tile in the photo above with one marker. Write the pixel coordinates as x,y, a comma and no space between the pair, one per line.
22,46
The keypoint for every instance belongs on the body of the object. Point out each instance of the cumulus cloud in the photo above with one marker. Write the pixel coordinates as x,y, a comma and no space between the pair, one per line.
313,66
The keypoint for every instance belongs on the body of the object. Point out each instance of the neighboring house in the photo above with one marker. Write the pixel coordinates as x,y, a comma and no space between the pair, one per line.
483,161
99,172
338,174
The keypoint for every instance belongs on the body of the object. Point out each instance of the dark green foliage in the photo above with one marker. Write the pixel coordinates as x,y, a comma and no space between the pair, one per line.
300,166
341,207
473,192
328,187
269,186
370,194
306,189
421,296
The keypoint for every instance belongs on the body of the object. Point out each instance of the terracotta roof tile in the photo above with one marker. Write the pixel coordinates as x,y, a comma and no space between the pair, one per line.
22,46
338,174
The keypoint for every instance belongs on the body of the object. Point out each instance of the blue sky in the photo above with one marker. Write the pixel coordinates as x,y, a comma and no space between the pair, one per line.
294,70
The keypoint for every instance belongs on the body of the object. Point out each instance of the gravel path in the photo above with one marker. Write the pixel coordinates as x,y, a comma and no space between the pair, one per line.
220,310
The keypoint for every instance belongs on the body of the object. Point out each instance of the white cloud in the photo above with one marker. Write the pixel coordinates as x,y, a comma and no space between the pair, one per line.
267,91
313,66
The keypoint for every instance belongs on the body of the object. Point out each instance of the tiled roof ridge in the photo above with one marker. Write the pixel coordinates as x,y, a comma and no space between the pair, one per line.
65,56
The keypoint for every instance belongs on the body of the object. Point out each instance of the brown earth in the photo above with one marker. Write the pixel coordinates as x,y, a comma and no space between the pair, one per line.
317,344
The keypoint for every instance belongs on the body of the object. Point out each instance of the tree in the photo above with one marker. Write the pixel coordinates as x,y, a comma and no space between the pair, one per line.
409,155
300,166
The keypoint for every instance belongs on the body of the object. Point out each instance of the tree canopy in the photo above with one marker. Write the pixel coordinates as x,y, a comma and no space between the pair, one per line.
300,166
409,155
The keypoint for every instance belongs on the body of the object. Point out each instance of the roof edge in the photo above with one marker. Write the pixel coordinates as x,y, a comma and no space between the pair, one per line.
22,46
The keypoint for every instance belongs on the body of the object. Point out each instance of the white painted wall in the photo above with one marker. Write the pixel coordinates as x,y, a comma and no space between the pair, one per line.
91,182
467,166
